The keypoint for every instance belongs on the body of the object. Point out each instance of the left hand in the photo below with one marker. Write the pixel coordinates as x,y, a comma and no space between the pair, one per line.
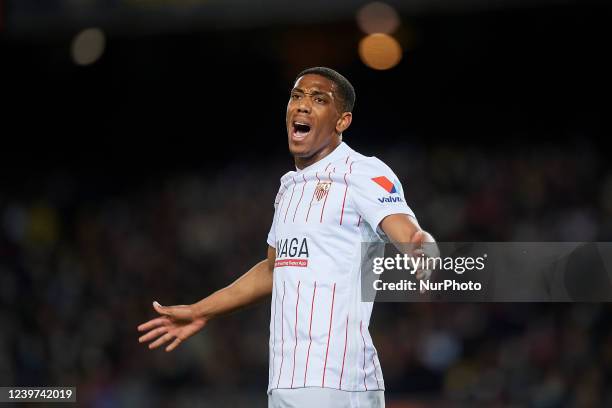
422,243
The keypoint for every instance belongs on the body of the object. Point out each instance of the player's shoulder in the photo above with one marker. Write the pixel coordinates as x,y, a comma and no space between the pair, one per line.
287,177
285,180
369,173
369,164
357,162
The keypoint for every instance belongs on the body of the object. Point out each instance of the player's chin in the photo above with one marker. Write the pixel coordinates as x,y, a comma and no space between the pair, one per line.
298,149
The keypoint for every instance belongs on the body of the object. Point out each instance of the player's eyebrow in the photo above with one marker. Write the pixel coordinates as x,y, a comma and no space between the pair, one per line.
313,93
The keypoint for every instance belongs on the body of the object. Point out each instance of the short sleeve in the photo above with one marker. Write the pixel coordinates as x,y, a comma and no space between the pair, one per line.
376,191
272,234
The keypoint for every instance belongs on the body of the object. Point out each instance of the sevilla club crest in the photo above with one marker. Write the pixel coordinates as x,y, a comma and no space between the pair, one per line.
321,190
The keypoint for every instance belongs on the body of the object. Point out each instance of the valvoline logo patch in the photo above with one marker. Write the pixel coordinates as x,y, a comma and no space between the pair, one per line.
385,183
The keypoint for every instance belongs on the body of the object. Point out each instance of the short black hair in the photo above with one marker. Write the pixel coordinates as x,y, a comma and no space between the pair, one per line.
346,92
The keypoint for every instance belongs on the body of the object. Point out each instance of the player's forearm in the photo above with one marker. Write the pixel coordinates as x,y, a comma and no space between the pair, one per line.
401,229
251,287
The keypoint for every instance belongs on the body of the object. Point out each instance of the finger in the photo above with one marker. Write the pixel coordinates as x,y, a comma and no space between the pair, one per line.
418,237
423,274
151,324
163,339
153,334
174,344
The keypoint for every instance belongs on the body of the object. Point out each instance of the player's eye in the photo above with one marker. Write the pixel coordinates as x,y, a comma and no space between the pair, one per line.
320,100
295,97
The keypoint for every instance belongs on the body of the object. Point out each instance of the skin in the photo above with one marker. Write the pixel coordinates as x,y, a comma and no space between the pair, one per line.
313,101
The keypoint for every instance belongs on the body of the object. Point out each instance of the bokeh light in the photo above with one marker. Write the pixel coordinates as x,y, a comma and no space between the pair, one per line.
378,17
88,46
380,51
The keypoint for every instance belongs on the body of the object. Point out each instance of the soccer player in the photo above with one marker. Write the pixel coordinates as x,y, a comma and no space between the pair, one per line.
321,352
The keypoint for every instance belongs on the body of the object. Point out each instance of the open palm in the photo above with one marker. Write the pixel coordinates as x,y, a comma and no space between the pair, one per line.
176,323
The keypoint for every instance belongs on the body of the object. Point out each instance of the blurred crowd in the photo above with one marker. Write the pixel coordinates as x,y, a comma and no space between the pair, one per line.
79,270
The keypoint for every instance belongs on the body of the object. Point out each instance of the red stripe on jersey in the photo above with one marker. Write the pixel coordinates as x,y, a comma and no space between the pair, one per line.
345,190
313,195
375,375
359,221
344,199
291,199
280,206
298,204
344,355
331,182
295,347
282,336
274,337
314,292
278,197
347,157
328,164
364,373
331,315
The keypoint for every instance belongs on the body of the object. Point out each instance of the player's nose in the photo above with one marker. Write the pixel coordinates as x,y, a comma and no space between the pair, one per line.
304,105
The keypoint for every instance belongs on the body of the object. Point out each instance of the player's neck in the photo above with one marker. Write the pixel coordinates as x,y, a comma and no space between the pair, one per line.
303,162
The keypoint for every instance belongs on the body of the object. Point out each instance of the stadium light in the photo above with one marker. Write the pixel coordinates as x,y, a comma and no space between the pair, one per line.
380,51
88,46
378,17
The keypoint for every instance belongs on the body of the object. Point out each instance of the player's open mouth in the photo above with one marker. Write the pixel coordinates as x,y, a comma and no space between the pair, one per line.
300,130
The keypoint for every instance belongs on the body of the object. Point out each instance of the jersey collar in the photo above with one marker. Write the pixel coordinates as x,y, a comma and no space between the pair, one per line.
342,150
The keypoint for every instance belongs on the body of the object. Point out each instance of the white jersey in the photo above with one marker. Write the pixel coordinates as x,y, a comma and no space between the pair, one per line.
319,333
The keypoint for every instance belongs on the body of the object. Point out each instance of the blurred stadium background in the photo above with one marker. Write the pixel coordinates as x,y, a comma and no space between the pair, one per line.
143,140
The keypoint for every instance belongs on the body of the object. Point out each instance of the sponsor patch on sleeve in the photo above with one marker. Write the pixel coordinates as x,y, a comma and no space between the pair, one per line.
385,183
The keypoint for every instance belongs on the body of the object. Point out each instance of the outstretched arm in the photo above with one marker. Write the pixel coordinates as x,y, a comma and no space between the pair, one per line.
404,229
178,323
251,287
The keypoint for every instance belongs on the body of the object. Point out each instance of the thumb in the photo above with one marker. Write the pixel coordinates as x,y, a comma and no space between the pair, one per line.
162,310
181,312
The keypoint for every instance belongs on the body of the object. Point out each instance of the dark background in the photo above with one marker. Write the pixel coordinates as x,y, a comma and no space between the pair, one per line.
151,174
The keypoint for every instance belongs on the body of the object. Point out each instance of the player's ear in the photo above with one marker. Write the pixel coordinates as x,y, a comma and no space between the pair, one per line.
344,122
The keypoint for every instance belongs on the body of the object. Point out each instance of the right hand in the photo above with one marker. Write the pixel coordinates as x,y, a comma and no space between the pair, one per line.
176,322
